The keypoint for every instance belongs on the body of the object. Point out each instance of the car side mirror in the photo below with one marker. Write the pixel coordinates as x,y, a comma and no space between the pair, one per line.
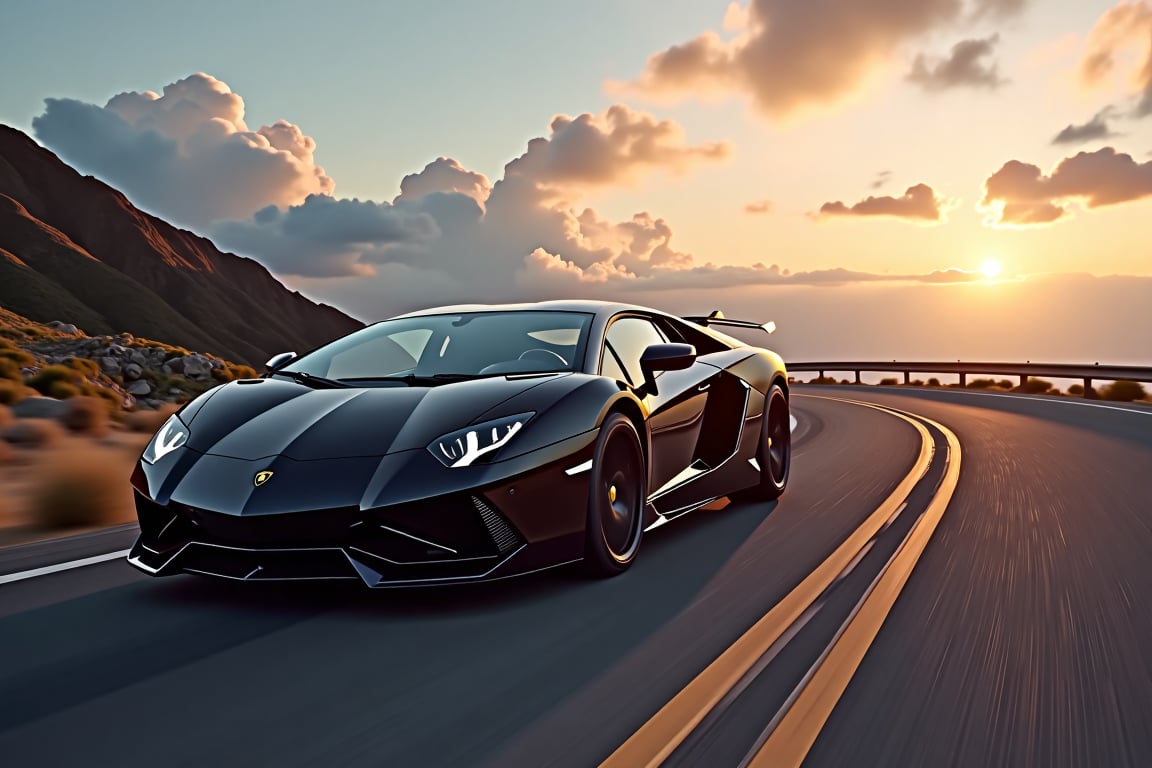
278,361
665,357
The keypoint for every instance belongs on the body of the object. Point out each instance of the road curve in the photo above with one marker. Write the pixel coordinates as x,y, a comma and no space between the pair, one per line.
1017,640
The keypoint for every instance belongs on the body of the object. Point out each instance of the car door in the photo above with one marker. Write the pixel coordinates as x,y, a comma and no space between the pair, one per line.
676,409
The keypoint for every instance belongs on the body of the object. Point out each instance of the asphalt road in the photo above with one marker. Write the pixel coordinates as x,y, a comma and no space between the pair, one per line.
1021,638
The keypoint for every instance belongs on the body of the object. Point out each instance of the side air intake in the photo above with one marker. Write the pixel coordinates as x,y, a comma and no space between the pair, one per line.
502,533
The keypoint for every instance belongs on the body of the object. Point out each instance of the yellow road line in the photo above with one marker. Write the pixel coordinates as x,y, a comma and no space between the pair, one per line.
797,731
668,728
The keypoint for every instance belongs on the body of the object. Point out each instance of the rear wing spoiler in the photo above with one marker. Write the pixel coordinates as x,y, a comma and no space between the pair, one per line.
716,317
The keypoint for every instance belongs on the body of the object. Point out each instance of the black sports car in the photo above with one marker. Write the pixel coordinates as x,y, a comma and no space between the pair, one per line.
464,443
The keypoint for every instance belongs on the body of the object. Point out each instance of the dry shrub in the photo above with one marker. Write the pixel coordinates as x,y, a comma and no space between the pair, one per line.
80,488
33,433
11,392
149,421
18,356
86,416
1123,391
1036,386
61,390
10,371
888,382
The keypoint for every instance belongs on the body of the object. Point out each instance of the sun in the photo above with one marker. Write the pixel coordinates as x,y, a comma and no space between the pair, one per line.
990,268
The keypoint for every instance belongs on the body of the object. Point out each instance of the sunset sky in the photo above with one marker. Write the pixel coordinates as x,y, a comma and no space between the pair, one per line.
829,164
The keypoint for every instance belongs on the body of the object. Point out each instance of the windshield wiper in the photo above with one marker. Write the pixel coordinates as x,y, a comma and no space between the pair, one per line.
412,378
316,382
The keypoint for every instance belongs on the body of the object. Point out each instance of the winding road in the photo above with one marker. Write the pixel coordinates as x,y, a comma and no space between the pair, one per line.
951,579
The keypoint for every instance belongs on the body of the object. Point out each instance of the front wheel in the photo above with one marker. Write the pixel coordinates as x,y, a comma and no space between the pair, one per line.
774,455
616,499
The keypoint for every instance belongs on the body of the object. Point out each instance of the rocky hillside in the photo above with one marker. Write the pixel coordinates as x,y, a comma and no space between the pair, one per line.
74,249
41,364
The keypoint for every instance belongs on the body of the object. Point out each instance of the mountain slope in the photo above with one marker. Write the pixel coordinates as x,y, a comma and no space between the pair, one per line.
74,249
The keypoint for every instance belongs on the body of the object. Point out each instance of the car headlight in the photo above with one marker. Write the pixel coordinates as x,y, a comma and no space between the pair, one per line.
464,446
171,435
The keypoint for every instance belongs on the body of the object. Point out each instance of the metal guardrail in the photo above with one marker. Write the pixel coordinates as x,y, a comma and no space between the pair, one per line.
1087,373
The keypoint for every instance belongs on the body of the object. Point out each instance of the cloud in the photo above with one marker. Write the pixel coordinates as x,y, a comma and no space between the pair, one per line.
759,206
918,203
965,67
788,55
325,237
451,234
444,175
1096,128
1123,27
882,178
185,154
609,148
1021,194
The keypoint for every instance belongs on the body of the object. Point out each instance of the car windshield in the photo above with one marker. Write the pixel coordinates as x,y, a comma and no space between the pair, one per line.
447,347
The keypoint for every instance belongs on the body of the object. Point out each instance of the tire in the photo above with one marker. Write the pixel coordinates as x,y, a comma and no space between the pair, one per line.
617,496
774,454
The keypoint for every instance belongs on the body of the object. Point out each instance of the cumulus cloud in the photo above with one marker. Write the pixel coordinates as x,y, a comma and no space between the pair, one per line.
967,66
450,235
787,55
759,206
444,175
326,237
609,148
1125,27
1094,129
918,203
1021,194
185,154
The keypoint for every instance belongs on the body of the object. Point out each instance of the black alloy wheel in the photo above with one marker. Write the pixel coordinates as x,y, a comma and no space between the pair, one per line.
774,455
616,498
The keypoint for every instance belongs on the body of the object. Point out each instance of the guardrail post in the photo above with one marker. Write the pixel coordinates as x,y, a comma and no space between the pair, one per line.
821,376
907,377
963,380
857,377
1023,380
1087,387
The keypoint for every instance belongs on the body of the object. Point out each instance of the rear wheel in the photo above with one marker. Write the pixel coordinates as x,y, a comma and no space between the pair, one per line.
616,499
774,456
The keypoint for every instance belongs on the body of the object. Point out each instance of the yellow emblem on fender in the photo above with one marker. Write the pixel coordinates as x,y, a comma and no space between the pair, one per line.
263,477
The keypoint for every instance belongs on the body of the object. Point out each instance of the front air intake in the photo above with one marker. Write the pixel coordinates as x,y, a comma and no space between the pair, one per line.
501,533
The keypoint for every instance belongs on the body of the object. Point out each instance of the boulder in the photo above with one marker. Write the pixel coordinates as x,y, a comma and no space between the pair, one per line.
109,365
68,328
197,367
139,388
40,408
175,365
132,371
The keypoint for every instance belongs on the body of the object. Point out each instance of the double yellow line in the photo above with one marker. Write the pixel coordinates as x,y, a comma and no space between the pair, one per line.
797,730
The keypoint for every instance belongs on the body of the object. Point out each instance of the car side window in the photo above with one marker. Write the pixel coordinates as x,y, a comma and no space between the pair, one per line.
609,367
629,337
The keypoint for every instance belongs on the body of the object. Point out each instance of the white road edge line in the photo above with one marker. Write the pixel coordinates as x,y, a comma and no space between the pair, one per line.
1067,400
21,575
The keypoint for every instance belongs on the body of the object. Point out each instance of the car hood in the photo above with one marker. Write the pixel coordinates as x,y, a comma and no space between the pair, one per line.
256,418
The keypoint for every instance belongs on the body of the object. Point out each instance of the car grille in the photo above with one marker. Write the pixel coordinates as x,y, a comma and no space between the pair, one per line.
459,535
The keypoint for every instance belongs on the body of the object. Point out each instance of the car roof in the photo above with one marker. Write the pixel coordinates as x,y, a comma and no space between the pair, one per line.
588,306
